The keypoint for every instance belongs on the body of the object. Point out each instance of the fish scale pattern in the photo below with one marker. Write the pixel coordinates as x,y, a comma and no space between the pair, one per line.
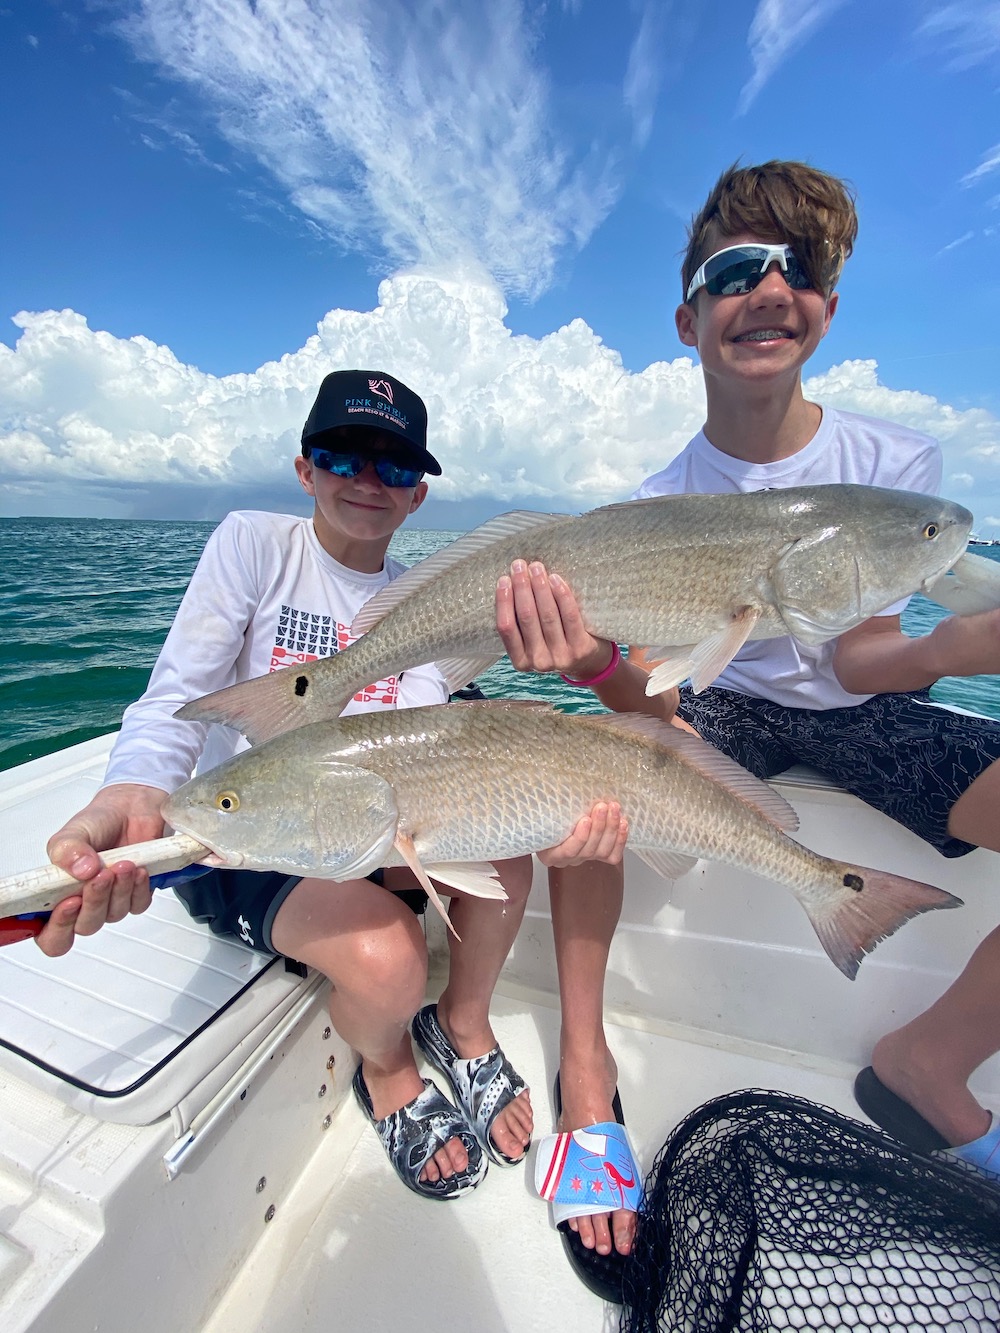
767,1212
668,571
489,781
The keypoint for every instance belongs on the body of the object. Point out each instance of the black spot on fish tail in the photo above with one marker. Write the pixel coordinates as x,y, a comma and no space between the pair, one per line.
854,882
301,685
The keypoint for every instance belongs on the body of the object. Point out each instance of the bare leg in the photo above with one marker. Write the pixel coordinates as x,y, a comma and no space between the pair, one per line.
929,1061
372,948
973,817
586,904
488,929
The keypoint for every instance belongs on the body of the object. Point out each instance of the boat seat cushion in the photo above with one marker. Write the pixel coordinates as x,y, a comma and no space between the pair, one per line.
134,1017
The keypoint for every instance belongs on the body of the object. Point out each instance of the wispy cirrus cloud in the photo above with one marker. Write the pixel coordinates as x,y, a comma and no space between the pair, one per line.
959,240
989,164
420,135
967,32
645,70
958,36
779,28
662,44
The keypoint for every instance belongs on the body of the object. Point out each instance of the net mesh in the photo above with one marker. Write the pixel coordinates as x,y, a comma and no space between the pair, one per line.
764,1211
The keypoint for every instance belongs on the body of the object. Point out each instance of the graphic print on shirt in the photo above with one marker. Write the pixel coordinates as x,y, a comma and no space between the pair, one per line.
304,636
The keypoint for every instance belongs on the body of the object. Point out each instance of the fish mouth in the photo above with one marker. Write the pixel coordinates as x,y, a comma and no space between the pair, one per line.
215,858
928,584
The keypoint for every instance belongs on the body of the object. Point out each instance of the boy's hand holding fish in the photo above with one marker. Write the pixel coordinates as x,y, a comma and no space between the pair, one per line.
542,628
116,817
599,836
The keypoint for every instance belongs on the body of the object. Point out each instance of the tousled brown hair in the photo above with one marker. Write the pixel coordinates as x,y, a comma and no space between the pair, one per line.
778,201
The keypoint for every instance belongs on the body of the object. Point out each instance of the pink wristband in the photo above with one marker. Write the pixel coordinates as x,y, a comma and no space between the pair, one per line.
609,670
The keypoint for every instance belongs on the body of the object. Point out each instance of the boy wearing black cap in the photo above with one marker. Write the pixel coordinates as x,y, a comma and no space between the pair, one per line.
269,591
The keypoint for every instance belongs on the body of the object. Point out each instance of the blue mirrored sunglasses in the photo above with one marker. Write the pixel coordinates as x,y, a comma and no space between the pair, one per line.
739,269
349,465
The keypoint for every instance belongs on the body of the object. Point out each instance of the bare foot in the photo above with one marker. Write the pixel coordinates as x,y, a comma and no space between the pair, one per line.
588,1089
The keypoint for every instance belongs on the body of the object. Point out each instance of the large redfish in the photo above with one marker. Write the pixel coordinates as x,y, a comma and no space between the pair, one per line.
440,788
692,577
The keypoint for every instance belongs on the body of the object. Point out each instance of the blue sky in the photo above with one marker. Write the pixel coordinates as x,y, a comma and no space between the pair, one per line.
202,197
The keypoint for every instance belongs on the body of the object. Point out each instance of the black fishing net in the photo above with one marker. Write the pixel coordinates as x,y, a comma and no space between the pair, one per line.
764,1211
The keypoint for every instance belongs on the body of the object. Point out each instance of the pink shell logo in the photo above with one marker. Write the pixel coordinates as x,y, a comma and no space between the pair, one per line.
382,387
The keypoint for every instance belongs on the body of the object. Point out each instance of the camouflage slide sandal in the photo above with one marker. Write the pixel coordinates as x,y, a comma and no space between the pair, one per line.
412,1135
482,1087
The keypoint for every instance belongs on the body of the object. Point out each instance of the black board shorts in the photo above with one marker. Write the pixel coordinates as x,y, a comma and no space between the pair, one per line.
904,754
244,903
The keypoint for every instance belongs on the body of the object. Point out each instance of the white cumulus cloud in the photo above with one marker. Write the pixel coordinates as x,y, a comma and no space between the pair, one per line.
96,424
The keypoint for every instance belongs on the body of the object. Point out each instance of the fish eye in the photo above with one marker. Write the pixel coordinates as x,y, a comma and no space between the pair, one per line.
227,801
931,531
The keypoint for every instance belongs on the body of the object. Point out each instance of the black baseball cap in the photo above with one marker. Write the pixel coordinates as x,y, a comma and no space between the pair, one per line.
376,401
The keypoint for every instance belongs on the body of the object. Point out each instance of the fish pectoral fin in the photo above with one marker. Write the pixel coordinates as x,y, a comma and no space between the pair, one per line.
706,660
671,865
459,671
711,657
404,845
676,665
478,878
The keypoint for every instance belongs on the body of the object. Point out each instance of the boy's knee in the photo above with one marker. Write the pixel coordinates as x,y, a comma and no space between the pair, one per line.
390,963
386,961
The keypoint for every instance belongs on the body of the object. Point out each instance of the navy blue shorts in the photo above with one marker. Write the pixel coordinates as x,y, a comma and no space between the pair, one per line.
904,754
244,903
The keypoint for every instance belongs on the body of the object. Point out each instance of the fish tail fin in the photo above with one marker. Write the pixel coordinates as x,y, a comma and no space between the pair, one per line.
261,708
868,906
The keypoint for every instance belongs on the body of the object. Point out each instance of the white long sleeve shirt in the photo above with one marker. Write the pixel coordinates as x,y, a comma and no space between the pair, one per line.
265,595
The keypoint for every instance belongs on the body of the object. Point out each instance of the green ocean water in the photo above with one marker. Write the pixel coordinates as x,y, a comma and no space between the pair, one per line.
85,605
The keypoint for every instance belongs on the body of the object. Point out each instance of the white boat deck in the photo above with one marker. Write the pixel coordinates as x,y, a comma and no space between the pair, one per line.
244,1191
492,1262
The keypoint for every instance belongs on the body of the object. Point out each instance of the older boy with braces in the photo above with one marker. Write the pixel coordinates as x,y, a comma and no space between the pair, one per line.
758,294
